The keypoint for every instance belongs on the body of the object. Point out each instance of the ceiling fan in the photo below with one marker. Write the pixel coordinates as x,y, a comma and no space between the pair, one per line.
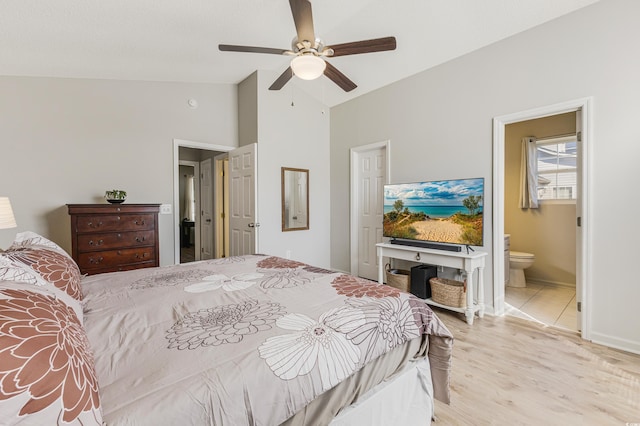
309,52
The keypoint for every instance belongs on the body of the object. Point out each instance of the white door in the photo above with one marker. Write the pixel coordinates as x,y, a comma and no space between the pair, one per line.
243,227
579,230
369,174
206,210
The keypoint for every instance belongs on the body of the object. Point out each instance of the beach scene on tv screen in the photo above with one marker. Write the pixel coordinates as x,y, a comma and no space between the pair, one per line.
446,211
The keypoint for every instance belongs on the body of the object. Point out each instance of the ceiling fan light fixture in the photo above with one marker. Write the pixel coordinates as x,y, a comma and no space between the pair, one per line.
308,67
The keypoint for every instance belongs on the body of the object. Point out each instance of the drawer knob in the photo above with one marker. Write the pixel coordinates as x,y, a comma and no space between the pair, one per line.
139,222
140,239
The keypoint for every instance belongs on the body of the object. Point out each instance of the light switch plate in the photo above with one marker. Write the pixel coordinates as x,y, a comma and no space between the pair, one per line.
165,208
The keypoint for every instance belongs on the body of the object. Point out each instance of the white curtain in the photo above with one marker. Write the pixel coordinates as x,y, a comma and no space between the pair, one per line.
189,199
528,174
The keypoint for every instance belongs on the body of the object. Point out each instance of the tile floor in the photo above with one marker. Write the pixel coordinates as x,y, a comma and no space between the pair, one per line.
548,304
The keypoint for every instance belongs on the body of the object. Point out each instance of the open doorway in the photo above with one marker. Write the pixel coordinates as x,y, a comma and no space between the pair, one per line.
197,213
582,109
540,241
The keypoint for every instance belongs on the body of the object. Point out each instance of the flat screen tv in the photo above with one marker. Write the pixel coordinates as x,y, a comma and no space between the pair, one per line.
443,211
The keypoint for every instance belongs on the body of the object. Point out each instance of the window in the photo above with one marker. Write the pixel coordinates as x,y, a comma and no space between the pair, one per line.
557,168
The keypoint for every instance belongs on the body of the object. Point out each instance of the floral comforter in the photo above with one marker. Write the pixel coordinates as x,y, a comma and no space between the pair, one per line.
244,340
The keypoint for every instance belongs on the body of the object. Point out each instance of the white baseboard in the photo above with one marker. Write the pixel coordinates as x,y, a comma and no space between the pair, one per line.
616,343
535,280
488,310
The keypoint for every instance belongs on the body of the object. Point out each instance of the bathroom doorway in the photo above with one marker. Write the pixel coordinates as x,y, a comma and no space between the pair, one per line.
580,218
540,243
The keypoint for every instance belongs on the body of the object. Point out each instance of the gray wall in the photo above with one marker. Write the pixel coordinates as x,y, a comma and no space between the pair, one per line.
292,136
69,140
248,110
440,126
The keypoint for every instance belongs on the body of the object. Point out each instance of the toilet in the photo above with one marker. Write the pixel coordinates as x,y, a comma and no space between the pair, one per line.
518,262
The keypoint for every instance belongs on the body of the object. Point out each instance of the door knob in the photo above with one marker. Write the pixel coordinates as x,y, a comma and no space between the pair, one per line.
251,225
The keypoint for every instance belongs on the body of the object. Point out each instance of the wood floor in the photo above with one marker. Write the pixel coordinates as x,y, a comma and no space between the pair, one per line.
510,371
187,254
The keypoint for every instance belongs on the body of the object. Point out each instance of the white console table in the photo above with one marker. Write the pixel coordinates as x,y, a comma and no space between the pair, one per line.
466,262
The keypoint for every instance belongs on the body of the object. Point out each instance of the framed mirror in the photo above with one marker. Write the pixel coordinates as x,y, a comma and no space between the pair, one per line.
295,199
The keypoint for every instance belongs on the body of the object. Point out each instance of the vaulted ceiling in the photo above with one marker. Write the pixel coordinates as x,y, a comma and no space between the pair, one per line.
168,40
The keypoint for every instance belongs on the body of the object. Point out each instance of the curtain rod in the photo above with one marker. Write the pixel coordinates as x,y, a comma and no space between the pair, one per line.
565,135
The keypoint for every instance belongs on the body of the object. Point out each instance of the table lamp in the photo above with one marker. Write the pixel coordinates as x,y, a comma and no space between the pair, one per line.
6,214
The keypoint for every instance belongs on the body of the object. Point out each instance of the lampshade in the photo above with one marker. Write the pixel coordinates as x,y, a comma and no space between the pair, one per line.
6,214
308,67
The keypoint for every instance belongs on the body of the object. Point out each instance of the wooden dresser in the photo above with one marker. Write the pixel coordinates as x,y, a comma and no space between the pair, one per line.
114,237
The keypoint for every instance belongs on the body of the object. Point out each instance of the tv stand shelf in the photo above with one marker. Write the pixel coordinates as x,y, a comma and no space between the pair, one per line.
468,263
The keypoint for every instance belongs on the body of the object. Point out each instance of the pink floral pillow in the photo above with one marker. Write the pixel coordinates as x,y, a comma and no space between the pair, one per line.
41,266
30,239
47,373
36,260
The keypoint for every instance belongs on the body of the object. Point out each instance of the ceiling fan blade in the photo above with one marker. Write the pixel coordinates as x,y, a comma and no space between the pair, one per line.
251,49
282,80
364,46
303,18
338,78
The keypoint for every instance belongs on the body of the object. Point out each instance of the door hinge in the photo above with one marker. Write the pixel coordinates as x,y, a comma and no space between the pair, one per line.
579,307
579,221
222,215
579,136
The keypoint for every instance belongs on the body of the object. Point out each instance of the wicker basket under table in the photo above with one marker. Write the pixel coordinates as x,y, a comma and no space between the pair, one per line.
449,292
399,278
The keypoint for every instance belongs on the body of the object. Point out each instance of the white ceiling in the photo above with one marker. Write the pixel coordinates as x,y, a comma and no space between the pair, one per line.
171,40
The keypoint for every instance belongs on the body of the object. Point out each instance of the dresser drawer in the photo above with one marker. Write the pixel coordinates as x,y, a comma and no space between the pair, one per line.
109,258
119,268
121,222
113,240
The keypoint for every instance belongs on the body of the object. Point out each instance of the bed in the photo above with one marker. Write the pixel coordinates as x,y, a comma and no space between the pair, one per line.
249,340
